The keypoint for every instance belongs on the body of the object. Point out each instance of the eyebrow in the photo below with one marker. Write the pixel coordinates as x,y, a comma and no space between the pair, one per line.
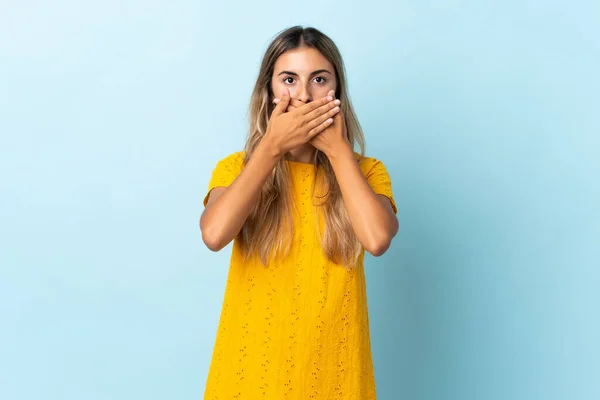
319,71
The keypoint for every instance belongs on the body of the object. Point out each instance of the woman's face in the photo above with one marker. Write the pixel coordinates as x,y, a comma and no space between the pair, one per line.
305,72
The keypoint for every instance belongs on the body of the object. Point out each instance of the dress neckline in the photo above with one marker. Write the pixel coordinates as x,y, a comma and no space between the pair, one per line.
299,163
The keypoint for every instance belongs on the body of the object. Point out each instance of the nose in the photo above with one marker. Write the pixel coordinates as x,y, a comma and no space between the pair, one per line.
304,94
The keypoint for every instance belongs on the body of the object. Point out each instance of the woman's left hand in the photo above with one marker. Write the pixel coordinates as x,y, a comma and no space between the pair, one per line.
334,138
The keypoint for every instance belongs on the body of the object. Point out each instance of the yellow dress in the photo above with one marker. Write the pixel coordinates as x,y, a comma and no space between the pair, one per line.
296,329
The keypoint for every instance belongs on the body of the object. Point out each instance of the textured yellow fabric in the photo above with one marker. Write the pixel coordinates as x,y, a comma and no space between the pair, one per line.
299,327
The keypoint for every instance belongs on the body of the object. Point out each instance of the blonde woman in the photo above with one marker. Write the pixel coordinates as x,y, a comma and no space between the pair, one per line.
301,207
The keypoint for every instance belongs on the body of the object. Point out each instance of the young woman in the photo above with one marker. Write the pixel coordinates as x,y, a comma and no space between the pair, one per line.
301,207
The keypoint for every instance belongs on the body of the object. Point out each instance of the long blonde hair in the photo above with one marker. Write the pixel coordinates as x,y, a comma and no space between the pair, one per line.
268,230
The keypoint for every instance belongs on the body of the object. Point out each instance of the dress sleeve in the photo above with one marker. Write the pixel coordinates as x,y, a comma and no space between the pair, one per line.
225,172
378,178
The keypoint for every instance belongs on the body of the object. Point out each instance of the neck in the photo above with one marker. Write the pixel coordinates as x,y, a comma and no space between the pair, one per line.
303,154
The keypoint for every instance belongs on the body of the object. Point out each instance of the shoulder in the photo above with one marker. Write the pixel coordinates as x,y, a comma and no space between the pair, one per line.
368,164
226,171
233,162
233,158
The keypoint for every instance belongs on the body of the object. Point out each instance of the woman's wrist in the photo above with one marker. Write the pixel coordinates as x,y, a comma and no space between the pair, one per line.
268,149
343,149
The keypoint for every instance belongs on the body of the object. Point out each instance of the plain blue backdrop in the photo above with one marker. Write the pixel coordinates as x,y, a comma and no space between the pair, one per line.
114,113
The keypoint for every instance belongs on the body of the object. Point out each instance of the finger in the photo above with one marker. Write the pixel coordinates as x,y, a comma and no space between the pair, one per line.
331,93
283,103
296,103
313,105
330,106
330,115
338,116
319,128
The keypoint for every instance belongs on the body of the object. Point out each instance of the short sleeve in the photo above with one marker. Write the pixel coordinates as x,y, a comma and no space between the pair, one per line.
225,172
378,178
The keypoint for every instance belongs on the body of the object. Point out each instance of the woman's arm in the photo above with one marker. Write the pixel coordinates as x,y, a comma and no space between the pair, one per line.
228,207
371,214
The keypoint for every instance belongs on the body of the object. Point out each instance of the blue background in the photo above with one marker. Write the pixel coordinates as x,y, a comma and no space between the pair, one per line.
113,115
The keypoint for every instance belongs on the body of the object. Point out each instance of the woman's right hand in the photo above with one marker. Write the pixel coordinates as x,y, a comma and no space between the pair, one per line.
288,130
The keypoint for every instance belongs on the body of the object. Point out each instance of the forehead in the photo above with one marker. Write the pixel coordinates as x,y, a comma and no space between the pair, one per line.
301,61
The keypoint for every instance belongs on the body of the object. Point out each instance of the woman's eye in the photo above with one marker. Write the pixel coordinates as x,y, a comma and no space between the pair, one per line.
289,80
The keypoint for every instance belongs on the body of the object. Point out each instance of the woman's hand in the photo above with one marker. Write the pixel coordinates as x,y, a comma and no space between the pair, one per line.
334,138
288,130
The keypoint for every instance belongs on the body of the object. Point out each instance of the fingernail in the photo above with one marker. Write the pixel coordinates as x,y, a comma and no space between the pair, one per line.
337,102
276,101
329,98
336,109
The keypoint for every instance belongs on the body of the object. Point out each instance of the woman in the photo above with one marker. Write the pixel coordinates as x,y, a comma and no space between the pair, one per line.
301,207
